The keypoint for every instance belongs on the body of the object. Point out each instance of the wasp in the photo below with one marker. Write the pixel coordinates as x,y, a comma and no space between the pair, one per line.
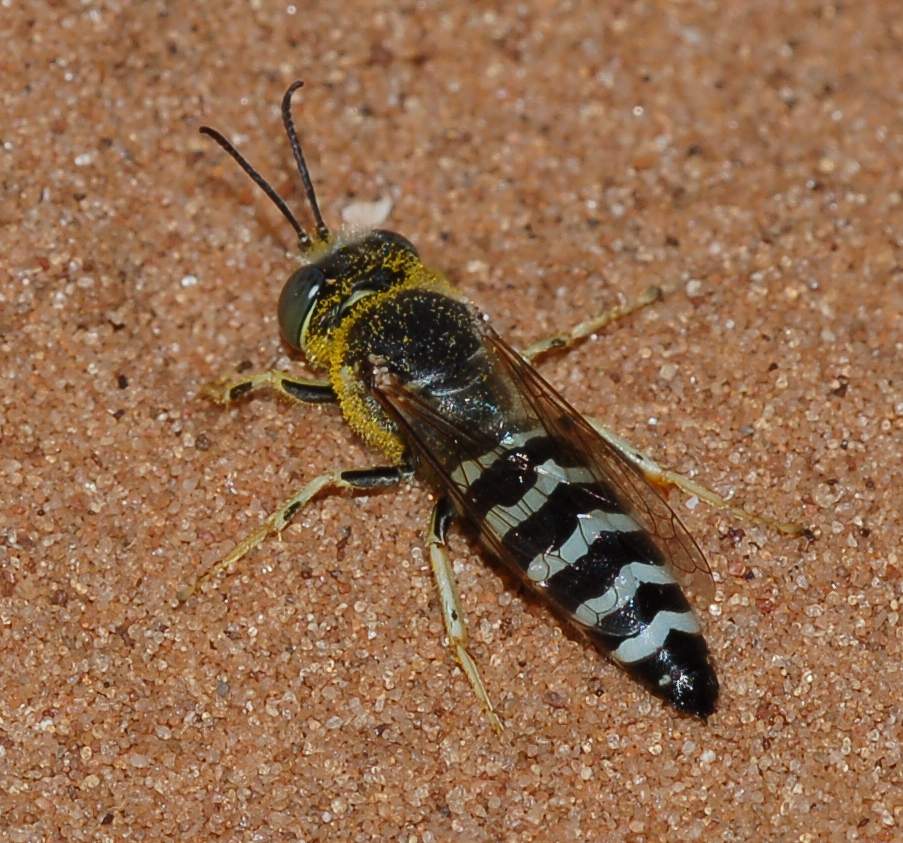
571,508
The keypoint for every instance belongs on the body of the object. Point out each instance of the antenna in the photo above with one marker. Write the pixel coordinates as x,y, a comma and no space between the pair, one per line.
322,230
304,239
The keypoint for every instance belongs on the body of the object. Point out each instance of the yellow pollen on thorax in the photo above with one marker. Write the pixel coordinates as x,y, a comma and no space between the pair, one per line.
362,412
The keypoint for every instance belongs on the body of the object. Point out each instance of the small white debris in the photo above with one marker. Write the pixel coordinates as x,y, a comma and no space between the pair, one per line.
476,267
188,281
84,159
693,288
667,371
367,214
692,503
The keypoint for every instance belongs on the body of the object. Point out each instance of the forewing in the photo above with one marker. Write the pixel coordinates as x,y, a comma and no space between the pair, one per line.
642,500
422,426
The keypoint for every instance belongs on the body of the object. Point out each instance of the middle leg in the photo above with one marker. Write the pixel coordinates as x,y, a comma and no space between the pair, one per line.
567,340
356,479
452,615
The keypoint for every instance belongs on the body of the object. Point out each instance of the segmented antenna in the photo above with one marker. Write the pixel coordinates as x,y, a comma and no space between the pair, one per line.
304,239
322,230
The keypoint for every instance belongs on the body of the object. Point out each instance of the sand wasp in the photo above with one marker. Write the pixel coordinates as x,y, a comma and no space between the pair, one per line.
421,376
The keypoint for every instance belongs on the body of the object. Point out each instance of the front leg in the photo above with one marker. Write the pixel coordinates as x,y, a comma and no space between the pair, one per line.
302,390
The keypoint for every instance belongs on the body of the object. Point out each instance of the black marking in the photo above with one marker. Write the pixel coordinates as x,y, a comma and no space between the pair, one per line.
591,575
373,478
240,389
639,612
683,660
310,393
550,526
652,598
686,648
443,513
512,474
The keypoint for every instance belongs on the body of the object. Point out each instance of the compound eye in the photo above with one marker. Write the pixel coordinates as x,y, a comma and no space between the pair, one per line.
299,295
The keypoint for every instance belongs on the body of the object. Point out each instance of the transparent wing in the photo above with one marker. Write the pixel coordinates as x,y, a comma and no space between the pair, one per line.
642,500
441,444
423,429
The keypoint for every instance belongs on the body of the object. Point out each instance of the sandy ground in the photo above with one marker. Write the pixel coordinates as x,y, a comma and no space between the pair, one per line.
553,159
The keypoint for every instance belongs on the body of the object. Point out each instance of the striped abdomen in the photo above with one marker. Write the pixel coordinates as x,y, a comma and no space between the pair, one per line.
568,534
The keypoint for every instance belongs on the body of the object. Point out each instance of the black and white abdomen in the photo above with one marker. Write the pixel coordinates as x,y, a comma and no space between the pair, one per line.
515,462
570,536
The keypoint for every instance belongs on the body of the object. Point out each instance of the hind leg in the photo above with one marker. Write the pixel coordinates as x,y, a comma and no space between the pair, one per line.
665,479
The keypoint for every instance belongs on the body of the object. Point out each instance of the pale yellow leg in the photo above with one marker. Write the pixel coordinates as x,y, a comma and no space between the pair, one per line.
304,390
653,472
565,341
452,615
359,479
664,478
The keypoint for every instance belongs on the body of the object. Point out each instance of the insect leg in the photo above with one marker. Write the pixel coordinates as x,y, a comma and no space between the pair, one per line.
226,390
664,479
566,341
452,614
355,479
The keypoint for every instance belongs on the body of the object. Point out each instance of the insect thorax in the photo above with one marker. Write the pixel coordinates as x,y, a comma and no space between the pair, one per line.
380,307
